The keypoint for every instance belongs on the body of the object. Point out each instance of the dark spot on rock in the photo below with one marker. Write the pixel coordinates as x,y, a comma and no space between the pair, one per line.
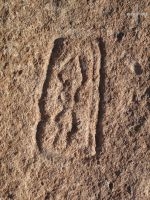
99,184
42,183
98,162
6,65
71,23
91,1
10,196
137,68
129,189
67,83
57,2
147,92
20,72
139,124
99,196
117,172
110,185
94,26
148,106
108,11
47,197
5,15
119,36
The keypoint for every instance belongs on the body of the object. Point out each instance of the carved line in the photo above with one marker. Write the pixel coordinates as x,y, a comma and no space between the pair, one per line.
56,52
101,111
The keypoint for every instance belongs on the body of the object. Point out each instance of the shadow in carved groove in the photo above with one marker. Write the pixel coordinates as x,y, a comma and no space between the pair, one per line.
99,126
56,52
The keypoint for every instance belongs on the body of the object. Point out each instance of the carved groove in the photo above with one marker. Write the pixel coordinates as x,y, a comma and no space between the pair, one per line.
101,111
83,67
56,52
74,129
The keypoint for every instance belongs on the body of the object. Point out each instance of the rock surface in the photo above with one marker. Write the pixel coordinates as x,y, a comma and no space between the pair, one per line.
75,100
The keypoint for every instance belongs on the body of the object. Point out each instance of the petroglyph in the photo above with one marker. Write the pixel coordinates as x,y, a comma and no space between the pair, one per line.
69,102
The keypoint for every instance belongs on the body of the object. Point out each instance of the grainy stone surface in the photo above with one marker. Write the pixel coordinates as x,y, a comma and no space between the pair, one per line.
75,100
